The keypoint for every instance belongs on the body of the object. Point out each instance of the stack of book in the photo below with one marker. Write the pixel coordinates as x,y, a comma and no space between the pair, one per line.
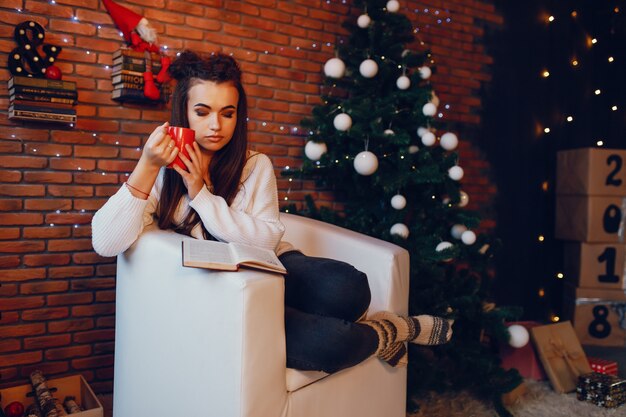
127,76
42,99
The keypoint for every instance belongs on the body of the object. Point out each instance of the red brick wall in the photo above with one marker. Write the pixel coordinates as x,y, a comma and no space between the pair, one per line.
56,295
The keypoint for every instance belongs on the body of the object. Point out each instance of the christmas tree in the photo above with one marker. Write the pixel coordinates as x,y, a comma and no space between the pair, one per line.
373,142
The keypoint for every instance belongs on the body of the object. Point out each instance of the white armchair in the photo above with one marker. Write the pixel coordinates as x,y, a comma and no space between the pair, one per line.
194,342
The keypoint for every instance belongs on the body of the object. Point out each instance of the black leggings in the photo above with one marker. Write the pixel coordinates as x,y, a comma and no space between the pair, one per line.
323,299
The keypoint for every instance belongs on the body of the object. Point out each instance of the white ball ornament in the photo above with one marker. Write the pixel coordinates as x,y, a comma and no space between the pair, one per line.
413,149
398,202
315,150
421,130
449,141
429,109
393,6
425,72
455,173
519,336
464,201
429,139
400,230
368,68
403,82
457,230
364,21
342,122
334,68
389,132
443,246
365,163
468,237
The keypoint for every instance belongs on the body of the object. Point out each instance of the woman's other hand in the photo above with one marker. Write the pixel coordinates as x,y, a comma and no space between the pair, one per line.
197,173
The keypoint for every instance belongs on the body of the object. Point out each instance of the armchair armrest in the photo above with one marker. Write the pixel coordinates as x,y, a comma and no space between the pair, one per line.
386,264
224,329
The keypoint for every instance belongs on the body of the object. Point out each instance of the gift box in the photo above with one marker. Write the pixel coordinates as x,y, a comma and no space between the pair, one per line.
602,390
603,366
524,359
589,219
71,386
594,265
515,395
591,171
599,316
561,355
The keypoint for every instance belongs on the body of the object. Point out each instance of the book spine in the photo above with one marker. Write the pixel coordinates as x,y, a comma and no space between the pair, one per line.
130,86
127,78
51,104
134,95
43,99
45,92
134,54
33,115
42,109
139,67
41,83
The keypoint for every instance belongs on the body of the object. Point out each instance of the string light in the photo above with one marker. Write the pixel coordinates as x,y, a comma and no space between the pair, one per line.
574,62
570,118
555,319
551,19
597,92
560,275
542,292
611,59
541,238
600,143
545,74
614,108
546,130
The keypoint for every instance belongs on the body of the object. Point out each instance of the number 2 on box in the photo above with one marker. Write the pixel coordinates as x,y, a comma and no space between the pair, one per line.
611,180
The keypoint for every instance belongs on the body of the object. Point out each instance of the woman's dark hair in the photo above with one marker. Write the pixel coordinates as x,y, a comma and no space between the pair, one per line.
188,69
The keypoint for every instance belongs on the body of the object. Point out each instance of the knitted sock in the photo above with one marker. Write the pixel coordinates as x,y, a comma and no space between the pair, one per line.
421,330
389,350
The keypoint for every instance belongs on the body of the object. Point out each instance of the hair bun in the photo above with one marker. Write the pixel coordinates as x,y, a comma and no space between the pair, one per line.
217,67
186,64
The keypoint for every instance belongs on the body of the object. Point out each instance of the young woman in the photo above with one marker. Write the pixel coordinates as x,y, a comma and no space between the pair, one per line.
228,193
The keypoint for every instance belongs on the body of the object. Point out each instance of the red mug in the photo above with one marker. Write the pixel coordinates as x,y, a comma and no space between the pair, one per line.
182,136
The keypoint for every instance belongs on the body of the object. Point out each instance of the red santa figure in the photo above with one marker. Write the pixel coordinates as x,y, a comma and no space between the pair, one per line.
141,37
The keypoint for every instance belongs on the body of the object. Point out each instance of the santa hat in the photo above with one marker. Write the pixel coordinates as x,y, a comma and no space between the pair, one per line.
125,19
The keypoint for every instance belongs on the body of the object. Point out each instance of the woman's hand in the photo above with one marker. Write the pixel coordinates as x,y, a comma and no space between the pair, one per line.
197,170
160,149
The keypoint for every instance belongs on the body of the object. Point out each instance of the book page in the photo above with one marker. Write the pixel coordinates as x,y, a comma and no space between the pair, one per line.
246,253
206,251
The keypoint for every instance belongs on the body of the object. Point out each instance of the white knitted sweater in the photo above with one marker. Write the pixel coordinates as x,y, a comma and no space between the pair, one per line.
252,218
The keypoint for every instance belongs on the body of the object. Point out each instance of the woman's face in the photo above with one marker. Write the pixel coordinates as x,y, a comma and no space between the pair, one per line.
212,113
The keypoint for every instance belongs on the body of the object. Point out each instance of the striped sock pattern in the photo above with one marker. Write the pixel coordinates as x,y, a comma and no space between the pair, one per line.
431,330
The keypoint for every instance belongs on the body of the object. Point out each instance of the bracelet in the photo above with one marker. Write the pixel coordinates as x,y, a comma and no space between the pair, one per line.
137,189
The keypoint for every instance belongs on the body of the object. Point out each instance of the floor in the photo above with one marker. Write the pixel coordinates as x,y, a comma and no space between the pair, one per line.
539,401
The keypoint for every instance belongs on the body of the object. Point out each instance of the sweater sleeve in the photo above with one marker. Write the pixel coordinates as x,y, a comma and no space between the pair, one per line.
120,220
253,217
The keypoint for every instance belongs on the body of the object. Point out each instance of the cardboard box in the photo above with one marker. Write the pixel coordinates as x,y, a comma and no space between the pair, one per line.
561,354
524,359
75,386
590,219
598,266
591,171
597,315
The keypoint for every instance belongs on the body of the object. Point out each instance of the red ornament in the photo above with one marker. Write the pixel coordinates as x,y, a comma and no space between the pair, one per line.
14,409
53,73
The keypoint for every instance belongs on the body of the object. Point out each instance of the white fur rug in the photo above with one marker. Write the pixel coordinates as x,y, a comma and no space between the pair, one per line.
539,401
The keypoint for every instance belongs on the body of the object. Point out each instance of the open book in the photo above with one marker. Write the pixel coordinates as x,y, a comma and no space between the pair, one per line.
228,256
